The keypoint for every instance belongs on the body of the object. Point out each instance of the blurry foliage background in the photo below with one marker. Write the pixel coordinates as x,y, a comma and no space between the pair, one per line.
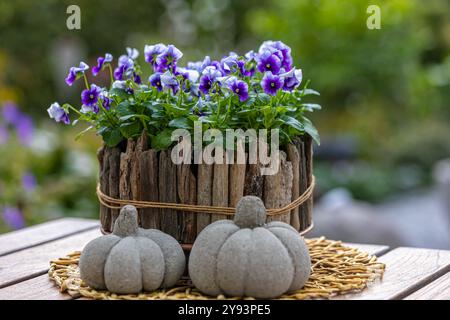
385,92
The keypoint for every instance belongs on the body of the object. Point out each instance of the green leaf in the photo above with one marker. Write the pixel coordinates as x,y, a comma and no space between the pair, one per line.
124,109
311,130
130,130
131,116
307,92
112,137
180,123
119,93
312,106
294,123
162,140
82,133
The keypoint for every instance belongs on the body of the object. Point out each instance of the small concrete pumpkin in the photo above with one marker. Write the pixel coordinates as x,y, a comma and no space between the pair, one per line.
132,259
247,257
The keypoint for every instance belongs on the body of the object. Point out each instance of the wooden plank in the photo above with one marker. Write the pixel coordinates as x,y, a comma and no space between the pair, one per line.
436,290
220,188
148,164
39,288
42,233
294,158
236,182
33,262
407,270
113,183
168,193
278,189
204,194
187,187
105,212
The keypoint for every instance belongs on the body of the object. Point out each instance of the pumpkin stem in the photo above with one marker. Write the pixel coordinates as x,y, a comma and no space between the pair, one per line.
127,223
250,212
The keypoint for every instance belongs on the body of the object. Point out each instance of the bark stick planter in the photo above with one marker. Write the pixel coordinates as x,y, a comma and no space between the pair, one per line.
132,173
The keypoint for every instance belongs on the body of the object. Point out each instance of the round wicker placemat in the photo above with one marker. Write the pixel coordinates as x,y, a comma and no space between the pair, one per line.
336,269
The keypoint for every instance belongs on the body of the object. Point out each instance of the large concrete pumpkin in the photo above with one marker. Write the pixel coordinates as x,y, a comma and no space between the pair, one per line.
246,257
132,259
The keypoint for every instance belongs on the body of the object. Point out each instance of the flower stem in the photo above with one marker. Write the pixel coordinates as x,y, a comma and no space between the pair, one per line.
111,119
111,74
86,81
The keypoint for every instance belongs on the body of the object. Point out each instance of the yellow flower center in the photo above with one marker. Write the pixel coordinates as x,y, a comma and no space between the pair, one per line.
237,90
268,66
272,84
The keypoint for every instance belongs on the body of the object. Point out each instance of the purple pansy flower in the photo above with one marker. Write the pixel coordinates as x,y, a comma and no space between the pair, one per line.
124,67
76,72
229,63
155,81
28,181
132,53
4,134
281,50
89,98
137,78
167,60
292,79
271,83
168,80
151,52
269,61
240,88
11,113
101,61
59,114
207,62
188,74
13,217
208,78
250,55
243,70
197,109
106,100
25,129
195,65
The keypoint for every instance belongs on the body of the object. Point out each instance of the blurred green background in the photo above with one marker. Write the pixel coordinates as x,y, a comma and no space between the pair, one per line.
385,93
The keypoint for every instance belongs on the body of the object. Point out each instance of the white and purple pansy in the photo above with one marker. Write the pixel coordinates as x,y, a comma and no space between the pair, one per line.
76,72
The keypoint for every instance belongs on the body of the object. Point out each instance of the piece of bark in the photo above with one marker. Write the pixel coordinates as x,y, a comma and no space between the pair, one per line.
303,182
294,158
186,186
254,181
168,193
140,146
204,194
236,183
105,217
126,163
149,188
100,154
114,180
278,189
220,188
309,174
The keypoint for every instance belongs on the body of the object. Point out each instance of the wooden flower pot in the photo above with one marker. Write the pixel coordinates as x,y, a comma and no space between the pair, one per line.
132,171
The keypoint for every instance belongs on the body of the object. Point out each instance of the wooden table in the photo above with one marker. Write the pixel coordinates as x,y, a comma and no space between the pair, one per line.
411,273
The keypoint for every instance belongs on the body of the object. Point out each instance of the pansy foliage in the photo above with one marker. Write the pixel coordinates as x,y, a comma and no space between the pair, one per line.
258,90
